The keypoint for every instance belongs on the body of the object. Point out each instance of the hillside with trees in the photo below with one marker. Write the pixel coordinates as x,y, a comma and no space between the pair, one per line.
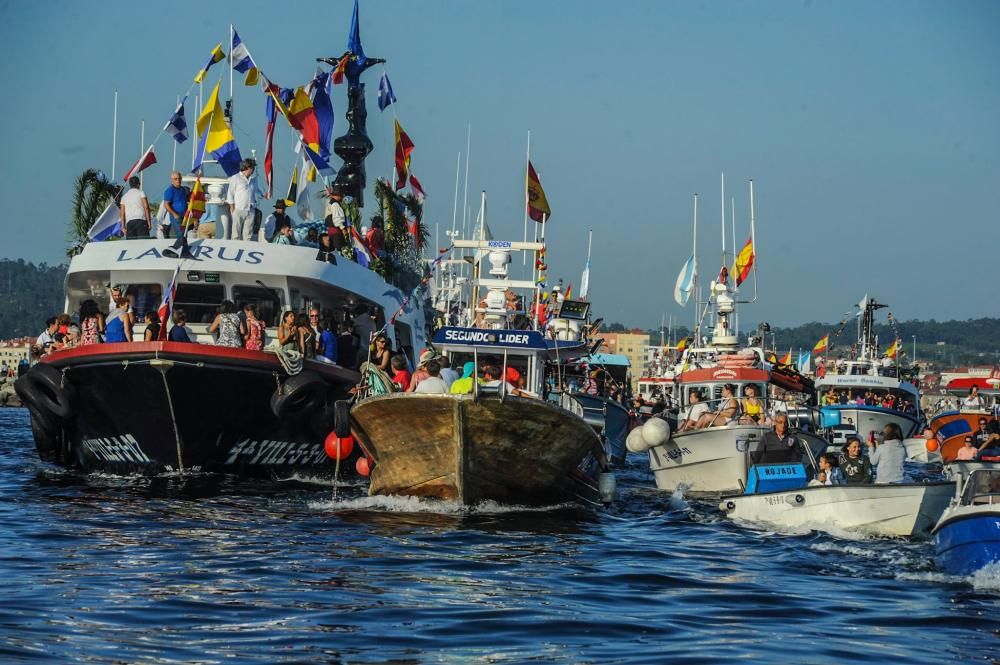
29,294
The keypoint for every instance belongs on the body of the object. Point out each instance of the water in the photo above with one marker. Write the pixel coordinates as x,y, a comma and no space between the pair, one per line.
205,570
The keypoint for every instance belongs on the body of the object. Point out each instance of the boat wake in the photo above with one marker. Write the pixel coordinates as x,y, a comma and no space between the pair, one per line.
986,578
413,504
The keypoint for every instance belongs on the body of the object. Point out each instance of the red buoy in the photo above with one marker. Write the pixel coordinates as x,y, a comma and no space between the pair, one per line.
337,448
363,466
932,445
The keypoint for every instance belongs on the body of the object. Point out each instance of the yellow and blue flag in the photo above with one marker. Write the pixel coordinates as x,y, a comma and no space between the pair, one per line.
217,55
215,137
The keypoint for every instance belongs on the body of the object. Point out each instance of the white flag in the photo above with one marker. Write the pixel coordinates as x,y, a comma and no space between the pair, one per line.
685,281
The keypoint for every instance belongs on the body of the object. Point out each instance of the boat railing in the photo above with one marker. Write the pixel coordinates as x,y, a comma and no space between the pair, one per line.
572,404
800,416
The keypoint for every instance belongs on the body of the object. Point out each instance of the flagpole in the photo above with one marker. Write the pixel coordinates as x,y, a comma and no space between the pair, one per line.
454,210
465,196
736,311
694,276
723,209
230,73
524,256
753,243
173,165
142,145
114,139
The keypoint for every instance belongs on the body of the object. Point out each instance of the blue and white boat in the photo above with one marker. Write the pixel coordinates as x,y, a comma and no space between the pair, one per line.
967,537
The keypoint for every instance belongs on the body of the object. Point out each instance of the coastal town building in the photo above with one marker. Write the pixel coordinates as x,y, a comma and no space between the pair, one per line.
12,351
632,345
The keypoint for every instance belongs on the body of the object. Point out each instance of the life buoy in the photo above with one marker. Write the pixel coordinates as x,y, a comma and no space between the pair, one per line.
298,395
342,418
45,391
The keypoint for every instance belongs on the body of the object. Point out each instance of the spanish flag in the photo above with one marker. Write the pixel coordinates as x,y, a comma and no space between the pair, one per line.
893,349
744,261
538,205
822,345
569,293
404,146
196,204
787,359
683,344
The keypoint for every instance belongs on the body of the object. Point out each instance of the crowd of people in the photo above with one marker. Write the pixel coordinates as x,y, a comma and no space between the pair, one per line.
887,400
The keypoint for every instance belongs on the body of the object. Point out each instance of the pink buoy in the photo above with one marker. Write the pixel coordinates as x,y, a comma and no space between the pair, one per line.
363,466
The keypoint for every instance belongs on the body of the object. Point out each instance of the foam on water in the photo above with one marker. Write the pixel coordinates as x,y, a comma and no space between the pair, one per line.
413,504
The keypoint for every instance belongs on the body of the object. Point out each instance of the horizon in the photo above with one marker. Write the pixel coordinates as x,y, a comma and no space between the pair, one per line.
868,128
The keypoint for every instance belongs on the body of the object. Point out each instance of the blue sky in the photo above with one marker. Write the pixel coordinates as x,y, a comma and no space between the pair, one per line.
871,130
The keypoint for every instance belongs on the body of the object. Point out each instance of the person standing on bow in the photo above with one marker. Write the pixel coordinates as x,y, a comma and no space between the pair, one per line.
175,198
134,211
242,200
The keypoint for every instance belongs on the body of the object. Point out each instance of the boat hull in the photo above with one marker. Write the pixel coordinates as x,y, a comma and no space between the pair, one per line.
711,461
459,448
609,419
968,539
874,418
882,510
149,408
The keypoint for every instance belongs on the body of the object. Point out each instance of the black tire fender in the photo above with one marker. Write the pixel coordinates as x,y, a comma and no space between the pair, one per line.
47,392
342,418
297,395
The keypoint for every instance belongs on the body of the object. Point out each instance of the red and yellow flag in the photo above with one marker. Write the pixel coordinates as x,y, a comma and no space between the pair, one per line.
822,345
341,69
404,146
538,205
683,344
892,350
196,205
744,261
787,359
569,293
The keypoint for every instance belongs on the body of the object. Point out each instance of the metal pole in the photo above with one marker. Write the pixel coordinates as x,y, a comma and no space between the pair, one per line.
527,163
114,139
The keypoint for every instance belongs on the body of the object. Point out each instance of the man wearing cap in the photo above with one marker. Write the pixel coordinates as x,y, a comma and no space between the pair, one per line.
242,200
275,222
421,373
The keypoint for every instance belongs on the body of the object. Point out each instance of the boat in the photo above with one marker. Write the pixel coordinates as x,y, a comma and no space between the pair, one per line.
867,372
497,443
906,509
967,537
606,414
163,406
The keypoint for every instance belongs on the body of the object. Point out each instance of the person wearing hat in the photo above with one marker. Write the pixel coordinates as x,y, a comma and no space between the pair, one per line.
421,372
336,218
275,222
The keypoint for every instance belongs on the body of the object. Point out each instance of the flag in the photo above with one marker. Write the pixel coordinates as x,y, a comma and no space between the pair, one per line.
822,345
685,281
803,365
362,254
323,106
341,69
683,344
538,205
743,263
404,146
293,188
216,55
414,229
787,359
196,204
569,292
272,115
243,62
893,349
303,205
302,116
148,159
385,96
417,189
354,38
107,225
215,137
177,125
167,304
585,281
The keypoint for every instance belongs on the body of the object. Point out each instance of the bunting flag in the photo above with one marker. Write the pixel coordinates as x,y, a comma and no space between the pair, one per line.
893,349
242,61
217,55
822,345
743,263
685,281
787,359
215,137
417,189
302,116
538,205
196,204
341,69
414,229
385,95
148,159
177,125
107,225
404,146
293,188
362,254
323,106
167,304
272,116
585,281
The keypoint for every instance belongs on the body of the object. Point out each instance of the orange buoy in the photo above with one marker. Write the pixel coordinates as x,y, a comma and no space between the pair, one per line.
338,448
932,445
363,466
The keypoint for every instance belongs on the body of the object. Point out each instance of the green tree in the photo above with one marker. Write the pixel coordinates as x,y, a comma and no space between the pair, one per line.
91,195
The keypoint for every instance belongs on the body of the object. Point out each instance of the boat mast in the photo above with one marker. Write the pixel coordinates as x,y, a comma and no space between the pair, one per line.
753,244
527,163
114,138
694,277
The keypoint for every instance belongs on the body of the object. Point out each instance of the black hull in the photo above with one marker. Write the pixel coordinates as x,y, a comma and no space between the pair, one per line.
155,413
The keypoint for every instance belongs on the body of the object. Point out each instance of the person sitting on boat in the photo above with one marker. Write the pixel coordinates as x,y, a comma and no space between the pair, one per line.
381,356
433,383
968,452
973,401
421,372
448,375
729,409
46,339
888,456
178,333
832,475
692,414
778,446
400,374
463,385
986,437
284,236
753,408
492,378
857,468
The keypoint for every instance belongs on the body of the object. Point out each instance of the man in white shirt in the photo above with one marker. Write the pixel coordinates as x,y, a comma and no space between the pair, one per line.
693,412
433,384
45,340
134,211
242,200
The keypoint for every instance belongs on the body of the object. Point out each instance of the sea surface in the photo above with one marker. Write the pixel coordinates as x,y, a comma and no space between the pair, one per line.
98,569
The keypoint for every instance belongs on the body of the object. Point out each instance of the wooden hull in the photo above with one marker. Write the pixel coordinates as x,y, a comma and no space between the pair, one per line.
454,447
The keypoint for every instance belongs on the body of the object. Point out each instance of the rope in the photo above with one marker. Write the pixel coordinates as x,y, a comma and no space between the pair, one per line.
173,421
290,360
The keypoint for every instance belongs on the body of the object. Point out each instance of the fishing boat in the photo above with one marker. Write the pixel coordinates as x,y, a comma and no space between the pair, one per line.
967,537
165,406
500,442
778,495
868,373
599,382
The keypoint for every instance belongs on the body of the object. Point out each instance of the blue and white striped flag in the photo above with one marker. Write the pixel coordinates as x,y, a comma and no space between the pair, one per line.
177,125
685,281
243,62
385,96
107,225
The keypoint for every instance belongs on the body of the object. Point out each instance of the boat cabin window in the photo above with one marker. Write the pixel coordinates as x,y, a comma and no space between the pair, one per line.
268,302
144,298
982,487
200,302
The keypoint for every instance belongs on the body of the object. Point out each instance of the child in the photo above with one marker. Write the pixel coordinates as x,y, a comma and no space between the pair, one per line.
400,376
829,472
